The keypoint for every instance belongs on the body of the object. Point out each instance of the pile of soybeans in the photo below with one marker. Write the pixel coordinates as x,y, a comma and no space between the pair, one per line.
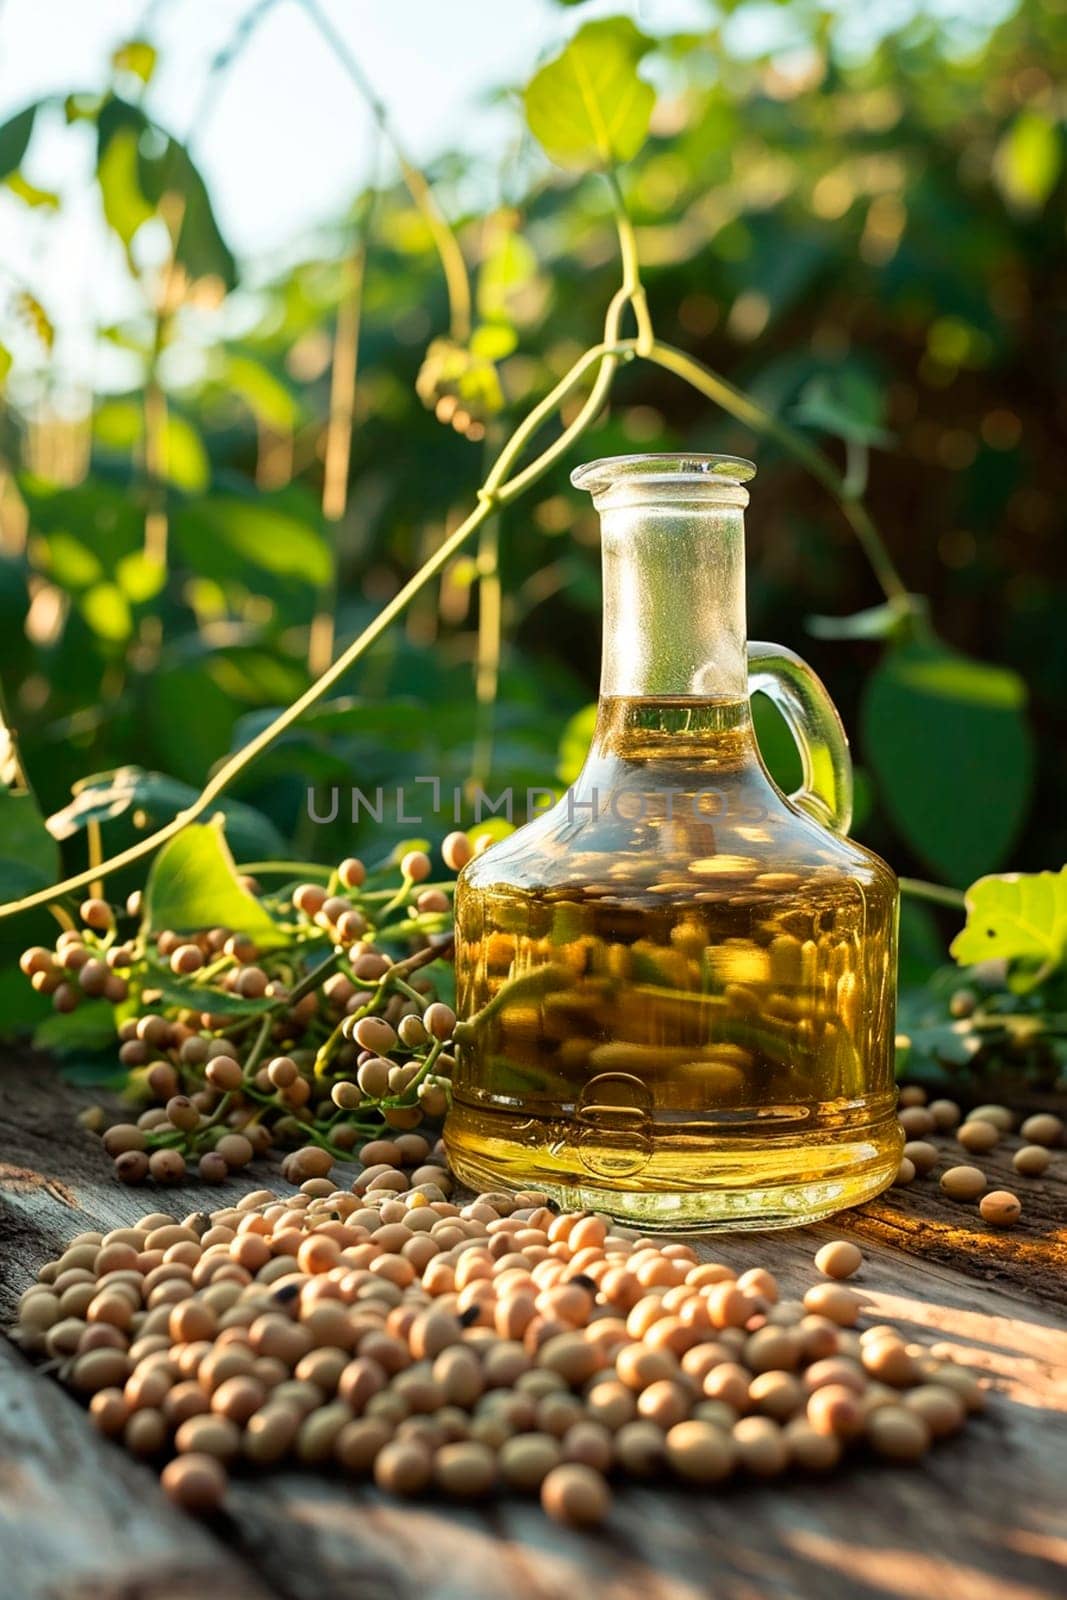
469,1349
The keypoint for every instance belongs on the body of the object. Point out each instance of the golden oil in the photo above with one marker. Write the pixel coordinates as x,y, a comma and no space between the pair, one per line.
683,1021
677,986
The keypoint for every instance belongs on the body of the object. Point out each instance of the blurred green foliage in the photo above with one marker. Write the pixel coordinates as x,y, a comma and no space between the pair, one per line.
872,247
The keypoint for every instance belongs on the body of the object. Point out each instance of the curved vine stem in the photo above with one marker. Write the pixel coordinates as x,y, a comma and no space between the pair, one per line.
823,471
935,893
749,412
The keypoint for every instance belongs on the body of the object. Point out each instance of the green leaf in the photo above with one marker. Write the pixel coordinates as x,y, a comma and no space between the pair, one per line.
847,404
776,744
139,577
193,884
107,611
265,395
29,193
588,107
125,208
877,622
222,536
1016,916
163,170
29,859
118,425
1027,162
15,138
138,57
157,798
950,746
574,743
508,266
201,996
90,1027
68,561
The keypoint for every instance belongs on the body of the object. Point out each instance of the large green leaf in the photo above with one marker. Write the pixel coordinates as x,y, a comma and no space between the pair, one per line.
15,139
193,884
164,170
118,425
1016,916
266,396
848,404
90,1028
155,798
125,208
223,536
29,859
588,107
951,749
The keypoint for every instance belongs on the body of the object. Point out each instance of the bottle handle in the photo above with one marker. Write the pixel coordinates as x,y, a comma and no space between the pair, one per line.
811,716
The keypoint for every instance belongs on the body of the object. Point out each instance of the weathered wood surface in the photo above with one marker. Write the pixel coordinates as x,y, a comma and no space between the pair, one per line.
985,1518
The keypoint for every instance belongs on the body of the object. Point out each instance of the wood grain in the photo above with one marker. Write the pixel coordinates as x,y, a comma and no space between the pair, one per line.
982,1519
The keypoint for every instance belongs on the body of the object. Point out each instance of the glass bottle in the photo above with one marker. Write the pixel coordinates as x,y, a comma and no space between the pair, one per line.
677,986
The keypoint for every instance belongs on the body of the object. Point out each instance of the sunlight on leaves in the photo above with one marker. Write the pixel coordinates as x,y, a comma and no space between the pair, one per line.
1016,916
136,57
193,884
1028,161
589,107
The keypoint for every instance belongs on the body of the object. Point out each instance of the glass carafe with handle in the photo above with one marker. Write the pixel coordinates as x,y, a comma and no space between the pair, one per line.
677,986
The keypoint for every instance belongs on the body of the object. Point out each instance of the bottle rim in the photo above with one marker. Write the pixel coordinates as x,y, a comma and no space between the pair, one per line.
679,467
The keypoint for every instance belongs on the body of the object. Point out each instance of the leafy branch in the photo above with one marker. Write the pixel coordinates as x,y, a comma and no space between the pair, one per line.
583,80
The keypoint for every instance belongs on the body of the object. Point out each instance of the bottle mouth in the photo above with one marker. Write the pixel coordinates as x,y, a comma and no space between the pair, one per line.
674,474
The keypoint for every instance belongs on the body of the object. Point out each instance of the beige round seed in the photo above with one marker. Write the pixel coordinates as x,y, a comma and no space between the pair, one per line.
897,1433
836,1409
465,1470
1031,1160
978,1135
208,1435
839,1259
905,1173
1001,1208
810,1450
999,1116
195,1482
526,1459
922,1155
777,1394
1043,1128
941,1408
963,1183
640,1449
761,1446
699,1452
403,1467
575,1495
917,1121
889,1361
946,1114
834,1301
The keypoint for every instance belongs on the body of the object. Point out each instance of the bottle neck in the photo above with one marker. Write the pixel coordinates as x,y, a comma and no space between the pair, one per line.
674,596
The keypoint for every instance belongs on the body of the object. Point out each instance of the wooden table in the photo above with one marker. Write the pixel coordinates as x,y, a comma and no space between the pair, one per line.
984,1518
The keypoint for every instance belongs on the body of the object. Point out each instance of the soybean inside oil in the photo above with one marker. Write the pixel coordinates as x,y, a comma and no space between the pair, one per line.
677,989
